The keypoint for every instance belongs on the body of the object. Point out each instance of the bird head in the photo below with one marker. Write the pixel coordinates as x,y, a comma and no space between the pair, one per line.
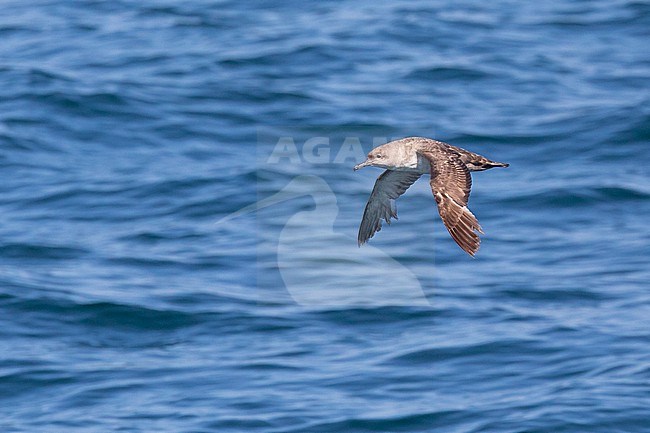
380,156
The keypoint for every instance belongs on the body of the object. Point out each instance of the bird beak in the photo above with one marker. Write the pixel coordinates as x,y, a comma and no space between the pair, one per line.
363,164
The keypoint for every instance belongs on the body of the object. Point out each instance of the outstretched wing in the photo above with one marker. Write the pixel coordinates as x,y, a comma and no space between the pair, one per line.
381,204
451,183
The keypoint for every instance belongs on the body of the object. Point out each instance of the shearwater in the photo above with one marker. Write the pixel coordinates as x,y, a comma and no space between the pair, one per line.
405,161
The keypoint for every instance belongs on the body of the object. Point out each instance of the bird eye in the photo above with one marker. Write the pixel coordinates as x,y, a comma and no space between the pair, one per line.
379,155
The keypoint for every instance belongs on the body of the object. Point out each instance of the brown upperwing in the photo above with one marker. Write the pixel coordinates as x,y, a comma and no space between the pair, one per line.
451,183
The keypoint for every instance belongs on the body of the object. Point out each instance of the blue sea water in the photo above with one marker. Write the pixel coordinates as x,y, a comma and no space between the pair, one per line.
133,300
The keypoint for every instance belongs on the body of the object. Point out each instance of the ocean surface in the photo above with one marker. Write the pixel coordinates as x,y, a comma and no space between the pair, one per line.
179,215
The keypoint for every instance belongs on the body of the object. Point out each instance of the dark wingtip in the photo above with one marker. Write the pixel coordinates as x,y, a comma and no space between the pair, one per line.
471,251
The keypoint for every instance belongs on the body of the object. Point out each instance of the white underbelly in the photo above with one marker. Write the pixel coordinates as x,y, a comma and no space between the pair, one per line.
417,164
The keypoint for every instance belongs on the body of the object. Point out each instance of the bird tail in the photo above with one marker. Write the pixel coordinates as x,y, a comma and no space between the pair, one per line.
492,164
480,163
476,162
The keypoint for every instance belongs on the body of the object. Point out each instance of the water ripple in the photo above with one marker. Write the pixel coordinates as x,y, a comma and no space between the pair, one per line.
130,131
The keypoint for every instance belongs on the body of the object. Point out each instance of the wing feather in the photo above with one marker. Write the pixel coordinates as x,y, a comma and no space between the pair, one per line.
451,183
381,205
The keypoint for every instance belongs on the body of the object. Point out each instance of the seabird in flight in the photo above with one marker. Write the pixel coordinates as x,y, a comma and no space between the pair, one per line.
405,161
